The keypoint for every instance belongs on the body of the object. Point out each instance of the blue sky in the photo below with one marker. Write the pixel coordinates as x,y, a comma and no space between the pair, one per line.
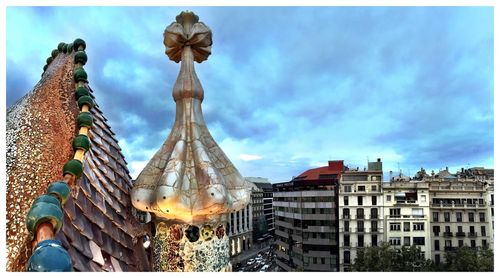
286,88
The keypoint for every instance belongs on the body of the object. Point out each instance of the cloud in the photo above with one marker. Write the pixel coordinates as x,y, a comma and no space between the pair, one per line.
249,157
302,85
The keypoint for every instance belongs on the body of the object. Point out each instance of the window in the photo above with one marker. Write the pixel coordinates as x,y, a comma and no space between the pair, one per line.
471,217
322,260
345,213
460,243
374,226
346,200
483,230
435,216
361,188
437,259
447,229
395,212
407,241
346,226
481,217
347,257
417,212
447,243
436,230
315,260
374,240
423,198
361,241
374,200
472,231
395,226
360,200
459,217
446,217
360,213
459,229
418,226
395,241
484,244
374,213
418,241
436,245
361,226
374,188
406,226
347,188
472,243
347,240
388,198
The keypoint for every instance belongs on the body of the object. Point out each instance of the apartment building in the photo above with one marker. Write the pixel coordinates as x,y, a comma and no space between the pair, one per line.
306,219
361,207
259,222
239,229
460,206
406,213
267,198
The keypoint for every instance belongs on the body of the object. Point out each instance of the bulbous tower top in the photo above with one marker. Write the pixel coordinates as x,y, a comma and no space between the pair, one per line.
189,179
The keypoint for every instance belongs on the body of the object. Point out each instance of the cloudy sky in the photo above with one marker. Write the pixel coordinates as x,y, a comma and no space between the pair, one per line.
286,89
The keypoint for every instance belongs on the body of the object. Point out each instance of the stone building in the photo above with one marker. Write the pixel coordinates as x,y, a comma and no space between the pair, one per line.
406,213
239,229
306,213
361,205
259,223
460,207
267,201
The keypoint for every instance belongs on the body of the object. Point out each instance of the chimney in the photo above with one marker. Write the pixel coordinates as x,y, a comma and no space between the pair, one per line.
446,168
378,160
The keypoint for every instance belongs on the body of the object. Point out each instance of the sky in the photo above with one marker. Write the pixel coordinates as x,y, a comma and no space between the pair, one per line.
286,88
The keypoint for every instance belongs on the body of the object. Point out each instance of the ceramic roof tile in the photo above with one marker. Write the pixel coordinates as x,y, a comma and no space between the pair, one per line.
99,208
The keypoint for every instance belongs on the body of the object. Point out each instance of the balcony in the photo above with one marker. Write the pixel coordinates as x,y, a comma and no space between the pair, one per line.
360,216
373,216
472,234
376,230
346,216
360,230
460,234
449,248
447,234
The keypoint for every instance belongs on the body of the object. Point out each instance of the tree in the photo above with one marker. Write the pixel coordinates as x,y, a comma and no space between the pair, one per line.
469,259
386,258
375,258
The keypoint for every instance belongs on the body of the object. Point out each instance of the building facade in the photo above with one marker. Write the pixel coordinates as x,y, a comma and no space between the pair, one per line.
239,229
259,223
460,207
406,214
361,206
267,201
306,214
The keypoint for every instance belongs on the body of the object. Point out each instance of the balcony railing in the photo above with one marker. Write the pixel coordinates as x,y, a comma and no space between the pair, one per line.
460,234
373,216
346,216
360,230
448,234
472,234
360,216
